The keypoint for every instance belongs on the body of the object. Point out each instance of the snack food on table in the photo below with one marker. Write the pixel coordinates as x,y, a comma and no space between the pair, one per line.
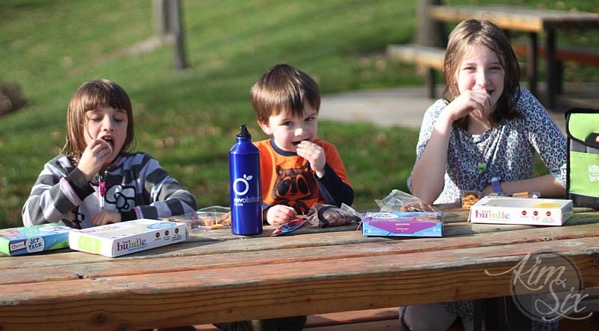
33,239
324,215
546,205
398,201
215,220
526,211
403,224
532,195
469,198
209,218
417,207
123,238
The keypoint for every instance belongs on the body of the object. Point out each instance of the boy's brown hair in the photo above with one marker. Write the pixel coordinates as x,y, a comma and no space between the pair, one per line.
284,88
486,33
94,95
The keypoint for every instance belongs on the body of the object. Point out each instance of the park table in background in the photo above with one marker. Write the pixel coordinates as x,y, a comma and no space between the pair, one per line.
533,21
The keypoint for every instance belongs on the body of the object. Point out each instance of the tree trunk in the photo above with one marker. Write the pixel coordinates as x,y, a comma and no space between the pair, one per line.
161,19
176,24
428,31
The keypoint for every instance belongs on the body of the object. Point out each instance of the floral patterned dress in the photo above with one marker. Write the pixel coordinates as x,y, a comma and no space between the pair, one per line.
506,151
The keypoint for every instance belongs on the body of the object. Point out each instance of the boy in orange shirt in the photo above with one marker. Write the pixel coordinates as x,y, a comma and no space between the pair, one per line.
296,169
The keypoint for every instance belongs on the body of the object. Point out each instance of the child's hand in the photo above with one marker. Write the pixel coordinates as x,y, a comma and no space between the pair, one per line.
280,214
315,156
477,101
106,217
94,157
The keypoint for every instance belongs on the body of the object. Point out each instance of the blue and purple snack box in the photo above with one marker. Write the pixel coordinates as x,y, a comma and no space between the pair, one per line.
403,224
34,239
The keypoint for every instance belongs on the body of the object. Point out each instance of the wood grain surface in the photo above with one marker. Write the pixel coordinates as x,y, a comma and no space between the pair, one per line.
216,276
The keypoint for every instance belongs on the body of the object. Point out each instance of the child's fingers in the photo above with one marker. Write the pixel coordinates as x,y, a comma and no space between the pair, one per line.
101,148
307,145
307,149
285,214
479,106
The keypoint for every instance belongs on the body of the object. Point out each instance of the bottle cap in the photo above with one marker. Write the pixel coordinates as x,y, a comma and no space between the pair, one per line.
243,132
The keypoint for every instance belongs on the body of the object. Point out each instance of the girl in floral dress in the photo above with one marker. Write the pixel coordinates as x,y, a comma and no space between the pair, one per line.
484,127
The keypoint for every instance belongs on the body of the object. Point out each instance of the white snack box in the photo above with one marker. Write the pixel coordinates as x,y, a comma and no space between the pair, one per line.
507,210
128,237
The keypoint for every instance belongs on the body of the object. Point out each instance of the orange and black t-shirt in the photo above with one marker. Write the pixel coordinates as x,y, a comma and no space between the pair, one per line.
287,178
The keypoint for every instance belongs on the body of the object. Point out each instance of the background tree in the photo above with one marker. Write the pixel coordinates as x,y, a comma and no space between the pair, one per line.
169,28
429,32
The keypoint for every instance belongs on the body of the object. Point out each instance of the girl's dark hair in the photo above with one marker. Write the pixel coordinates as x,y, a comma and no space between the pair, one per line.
94,95
486,33
284,88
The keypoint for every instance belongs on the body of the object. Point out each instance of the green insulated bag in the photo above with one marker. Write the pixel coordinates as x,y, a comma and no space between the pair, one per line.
582,128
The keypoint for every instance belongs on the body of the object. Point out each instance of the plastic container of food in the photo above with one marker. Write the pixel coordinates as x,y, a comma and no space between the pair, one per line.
205,219
215,217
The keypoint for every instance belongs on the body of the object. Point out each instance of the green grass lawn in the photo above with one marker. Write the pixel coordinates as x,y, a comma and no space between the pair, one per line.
188,119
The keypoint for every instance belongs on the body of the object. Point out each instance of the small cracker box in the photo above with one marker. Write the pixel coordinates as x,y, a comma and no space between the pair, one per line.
403,224
33,239
128,237
508,210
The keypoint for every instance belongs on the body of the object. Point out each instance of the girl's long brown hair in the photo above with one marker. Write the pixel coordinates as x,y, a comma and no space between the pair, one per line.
486,33
93,95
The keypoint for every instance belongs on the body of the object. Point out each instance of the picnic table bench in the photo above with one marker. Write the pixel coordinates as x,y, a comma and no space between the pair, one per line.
431,58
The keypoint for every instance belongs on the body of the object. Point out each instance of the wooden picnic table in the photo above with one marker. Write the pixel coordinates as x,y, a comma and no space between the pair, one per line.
215,276
531,20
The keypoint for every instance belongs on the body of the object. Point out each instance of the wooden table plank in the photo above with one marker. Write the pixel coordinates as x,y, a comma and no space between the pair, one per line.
195,255
325,292
217,276
306,287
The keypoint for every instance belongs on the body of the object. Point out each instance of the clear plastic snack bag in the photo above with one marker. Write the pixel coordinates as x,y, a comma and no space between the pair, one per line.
323,216
398,201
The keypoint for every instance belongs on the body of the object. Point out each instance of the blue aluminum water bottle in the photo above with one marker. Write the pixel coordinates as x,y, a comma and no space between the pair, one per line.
244,185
